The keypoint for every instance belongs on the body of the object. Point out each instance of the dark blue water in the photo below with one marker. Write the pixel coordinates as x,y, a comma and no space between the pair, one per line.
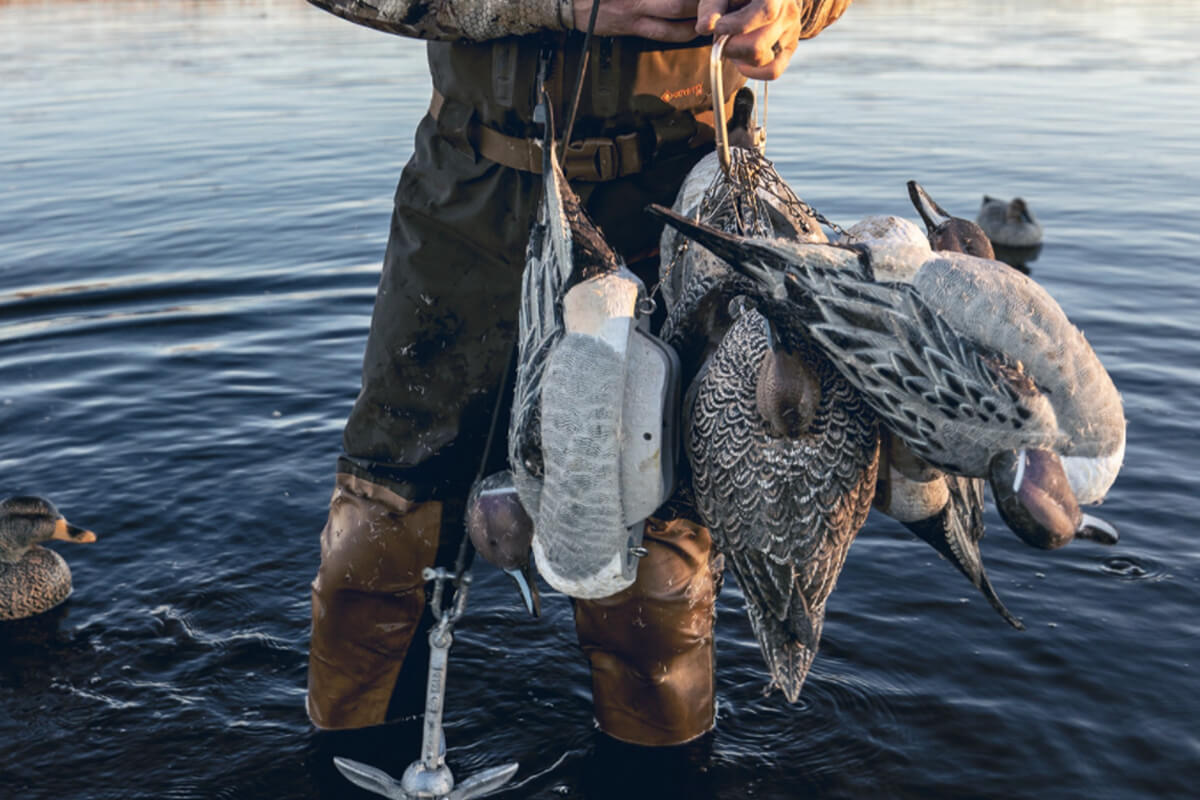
194,201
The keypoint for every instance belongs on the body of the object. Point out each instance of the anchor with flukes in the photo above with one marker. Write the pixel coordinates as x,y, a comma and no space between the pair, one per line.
429,777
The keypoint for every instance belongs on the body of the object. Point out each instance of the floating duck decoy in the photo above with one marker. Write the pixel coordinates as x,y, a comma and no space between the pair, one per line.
33,579
1010,224
973,366
782,449
946,511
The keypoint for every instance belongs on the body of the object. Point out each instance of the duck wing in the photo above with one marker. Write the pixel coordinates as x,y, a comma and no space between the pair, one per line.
783,509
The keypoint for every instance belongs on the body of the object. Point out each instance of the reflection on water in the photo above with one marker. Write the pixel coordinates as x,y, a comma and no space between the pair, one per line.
194,200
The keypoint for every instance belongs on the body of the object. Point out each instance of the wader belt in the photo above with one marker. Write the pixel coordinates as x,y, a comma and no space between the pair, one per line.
595,158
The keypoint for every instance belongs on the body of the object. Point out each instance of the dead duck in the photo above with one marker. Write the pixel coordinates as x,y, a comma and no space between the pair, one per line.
946,231
972,365
1009,223
33,579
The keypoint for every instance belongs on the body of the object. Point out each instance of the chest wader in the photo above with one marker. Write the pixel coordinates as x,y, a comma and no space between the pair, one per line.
443,325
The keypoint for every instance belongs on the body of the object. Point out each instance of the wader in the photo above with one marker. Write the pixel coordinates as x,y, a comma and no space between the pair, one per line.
443,326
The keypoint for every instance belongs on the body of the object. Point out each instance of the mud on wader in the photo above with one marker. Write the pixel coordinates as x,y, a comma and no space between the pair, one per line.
443,324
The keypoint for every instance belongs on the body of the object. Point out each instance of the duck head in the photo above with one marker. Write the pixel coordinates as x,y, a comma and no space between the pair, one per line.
502,532
28,521
1018,211
1038,503
787,392
947,232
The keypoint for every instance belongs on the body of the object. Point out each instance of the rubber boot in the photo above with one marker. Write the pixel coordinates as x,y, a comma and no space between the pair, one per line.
651,645
367,600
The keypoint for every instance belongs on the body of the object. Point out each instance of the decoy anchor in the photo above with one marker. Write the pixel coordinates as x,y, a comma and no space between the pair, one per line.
428,778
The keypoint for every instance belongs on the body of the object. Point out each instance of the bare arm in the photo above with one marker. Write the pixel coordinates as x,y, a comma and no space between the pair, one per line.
661,20
764,33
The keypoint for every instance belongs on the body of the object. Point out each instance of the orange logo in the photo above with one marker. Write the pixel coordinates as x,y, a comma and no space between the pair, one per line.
690,91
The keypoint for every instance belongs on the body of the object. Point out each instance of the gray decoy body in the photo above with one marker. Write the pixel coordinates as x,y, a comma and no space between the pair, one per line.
1009,223
588,445
970,363
33,579
782,450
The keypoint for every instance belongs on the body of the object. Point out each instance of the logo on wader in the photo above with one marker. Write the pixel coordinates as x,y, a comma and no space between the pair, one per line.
690,91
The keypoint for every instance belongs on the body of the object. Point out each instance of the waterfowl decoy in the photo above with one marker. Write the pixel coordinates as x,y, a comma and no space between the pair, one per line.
1010,224
782,449
783,454
33,579
591,450
946,511
972,365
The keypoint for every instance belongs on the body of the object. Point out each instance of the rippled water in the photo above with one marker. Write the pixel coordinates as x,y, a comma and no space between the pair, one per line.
193,204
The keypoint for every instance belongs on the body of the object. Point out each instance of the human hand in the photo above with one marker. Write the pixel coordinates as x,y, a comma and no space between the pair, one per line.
661,20
763,34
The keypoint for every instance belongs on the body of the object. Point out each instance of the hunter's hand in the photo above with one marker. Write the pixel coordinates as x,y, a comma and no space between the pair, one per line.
763,34
661,20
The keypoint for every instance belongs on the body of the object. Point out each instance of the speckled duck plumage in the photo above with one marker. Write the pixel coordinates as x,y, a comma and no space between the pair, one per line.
782,508
946,511
33,579
972,364
782,449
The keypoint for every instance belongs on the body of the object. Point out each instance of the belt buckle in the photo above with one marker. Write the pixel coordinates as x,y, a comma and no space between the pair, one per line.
592,159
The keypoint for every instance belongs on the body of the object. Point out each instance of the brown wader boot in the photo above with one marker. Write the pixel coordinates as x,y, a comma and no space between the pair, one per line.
651,645
367,600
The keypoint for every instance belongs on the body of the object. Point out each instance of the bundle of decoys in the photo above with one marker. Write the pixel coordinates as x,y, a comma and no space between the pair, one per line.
971,369
33,579
891,366
591,431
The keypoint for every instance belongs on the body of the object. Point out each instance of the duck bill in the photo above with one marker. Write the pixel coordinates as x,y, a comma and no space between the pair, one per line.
67,532
1035,499
524,578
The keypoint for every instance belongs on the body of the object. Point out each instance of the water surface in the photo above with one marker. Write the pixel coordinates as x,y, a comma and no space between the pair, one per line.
194,201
